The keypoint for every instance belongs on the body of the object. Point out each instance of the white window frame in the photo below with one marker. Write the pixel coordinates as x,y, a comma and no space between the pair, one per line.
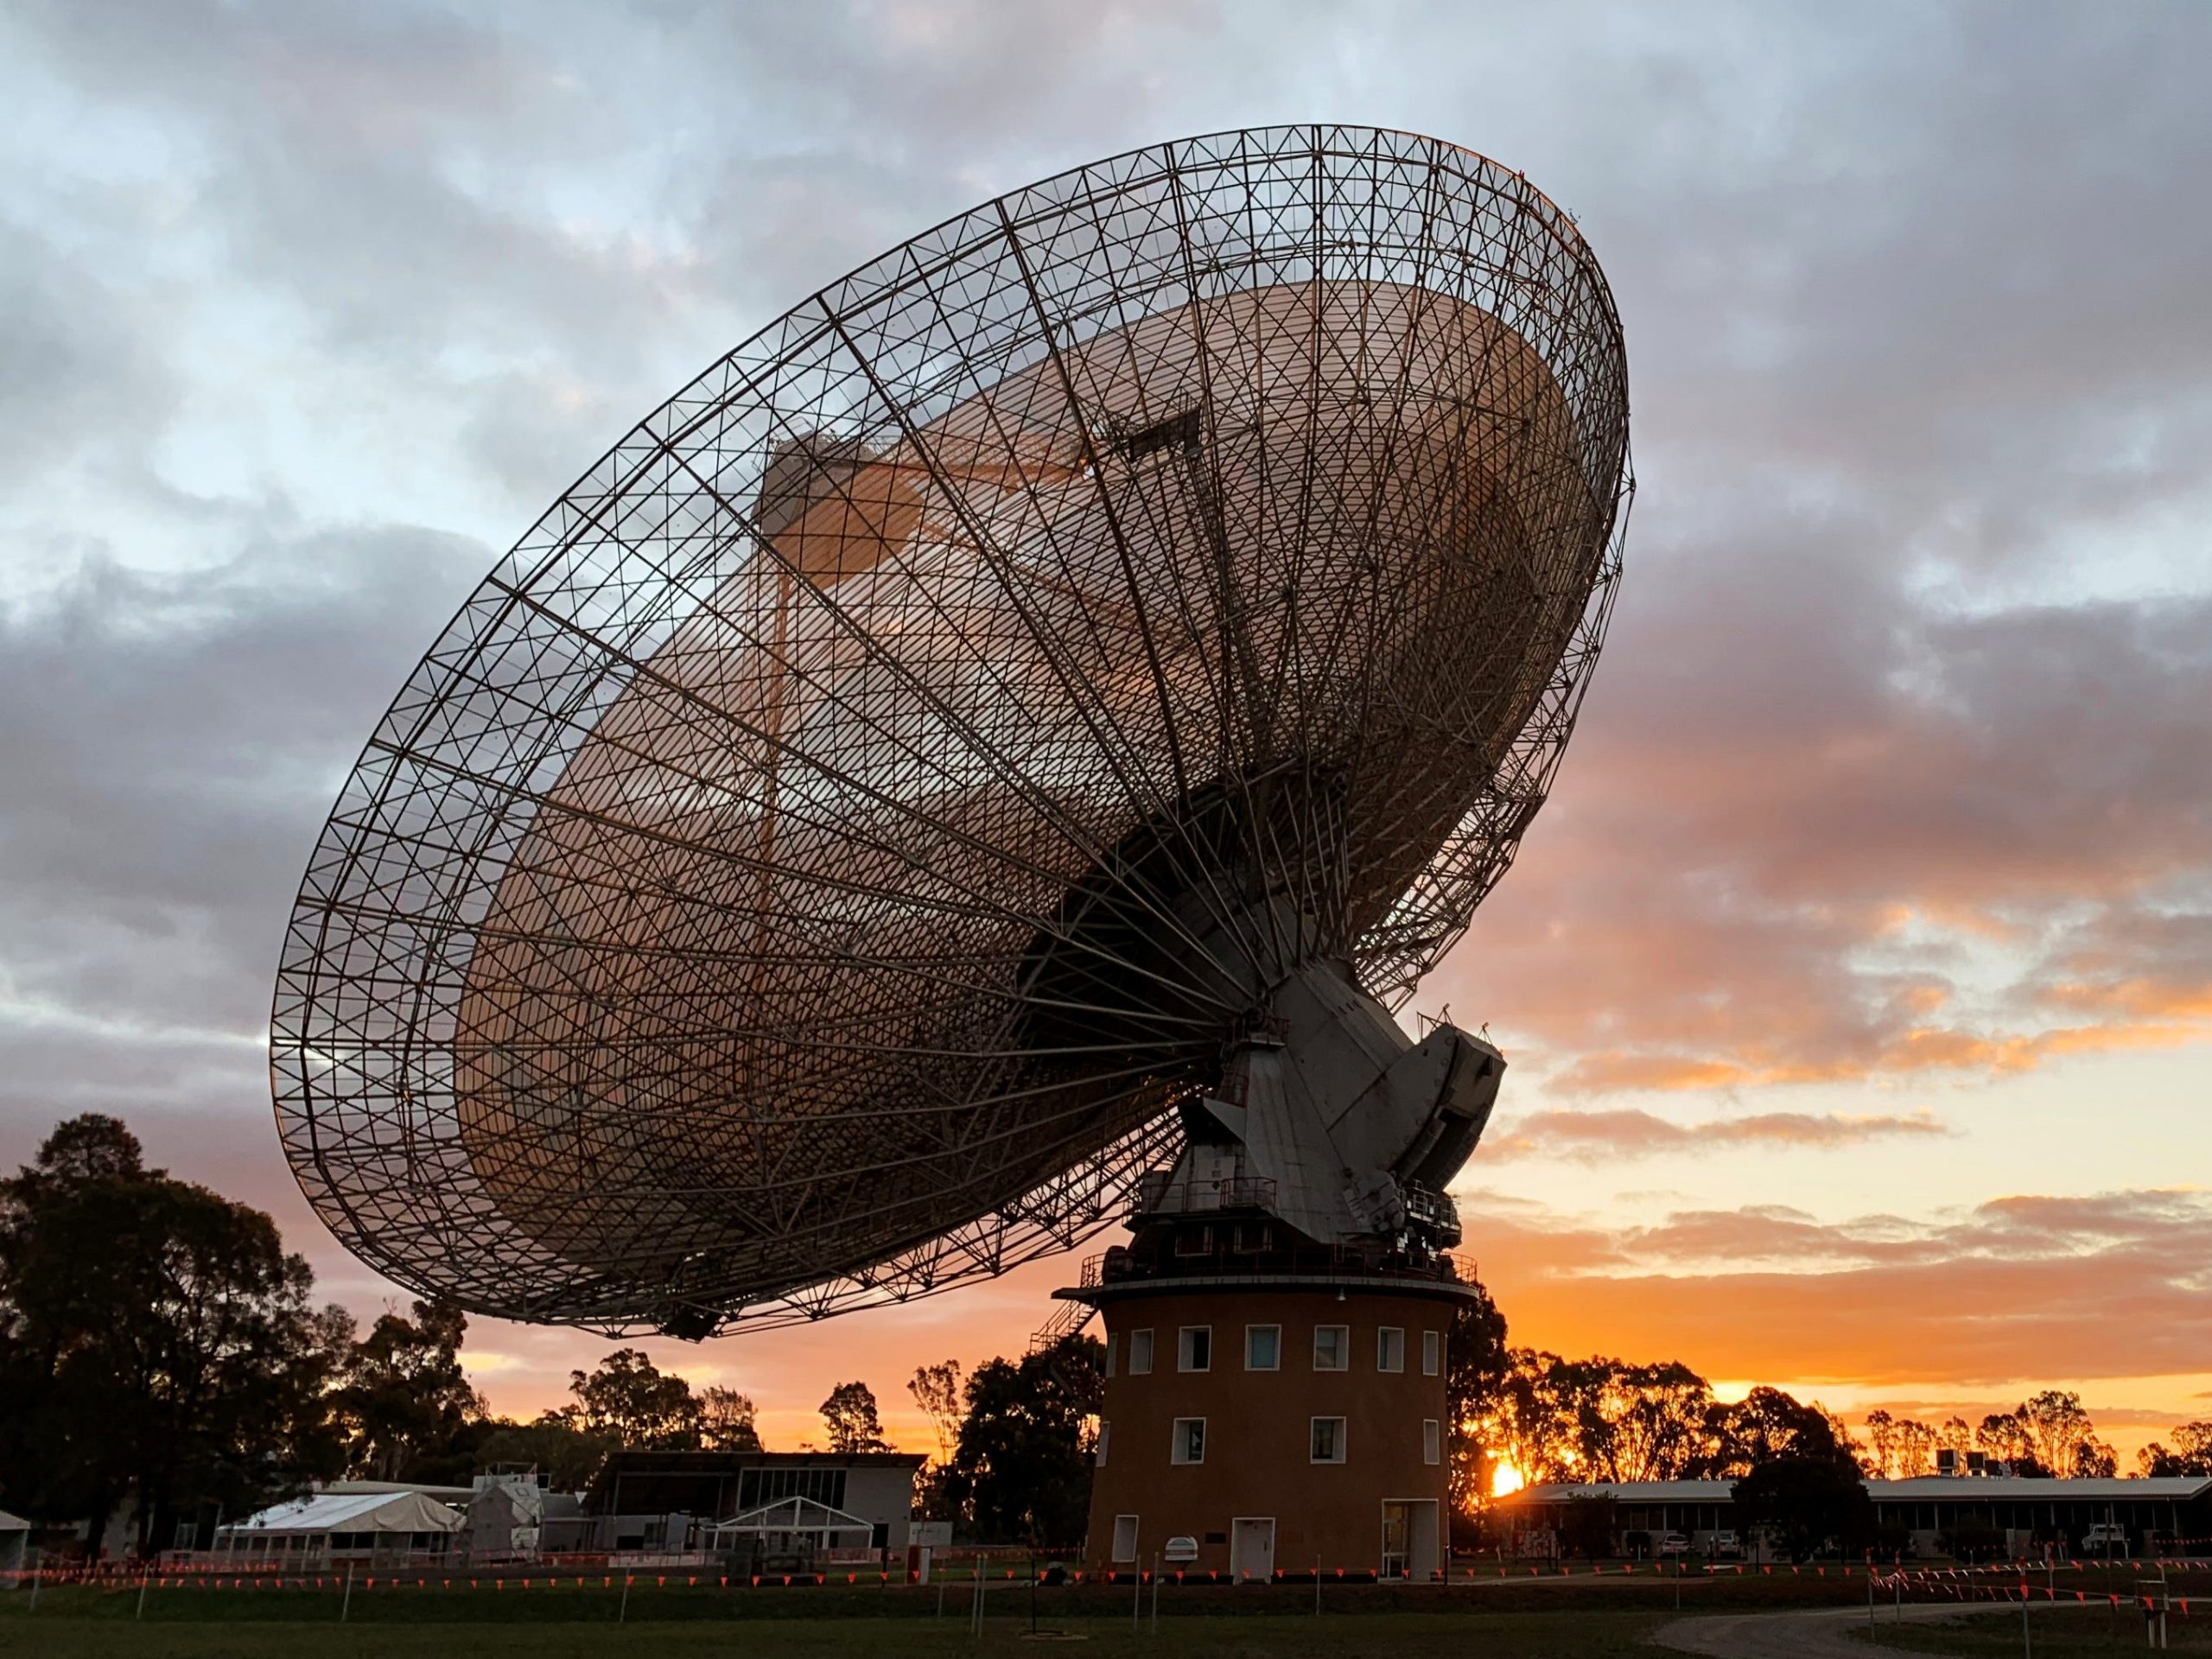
1141,1347
1179,1439
1249,1365
1432,1441
1184,1345
1344,1427
1432,1353
1383,1335
1344,1348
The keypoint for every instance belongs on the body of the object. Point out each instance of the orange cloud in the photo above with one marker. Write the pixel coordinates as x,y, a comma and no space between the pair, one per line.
1609,1136
2107,1285
1812,831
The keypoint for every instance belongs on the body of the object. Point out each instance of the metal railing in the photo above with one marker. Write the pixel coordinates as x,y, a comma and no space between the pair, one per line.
1159,1196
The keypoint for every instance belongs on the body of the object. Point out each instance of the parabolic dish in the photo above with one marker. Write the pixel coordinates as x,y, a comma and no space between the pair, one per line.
787,884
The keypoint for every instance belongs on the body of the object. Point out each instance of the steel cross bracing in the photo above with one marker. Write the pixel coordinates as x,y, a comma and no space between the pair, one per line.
785,885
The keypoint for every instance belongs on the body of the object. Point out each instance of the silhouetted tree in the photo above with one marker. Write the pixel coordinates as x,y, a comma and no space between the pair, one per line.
935,1390
1805,1503
725,1422
156,1343
2191,1454
850,1415
1021,1471
569,1456
403,1401
1476,1361
1587,1525
631,1401
1767,1425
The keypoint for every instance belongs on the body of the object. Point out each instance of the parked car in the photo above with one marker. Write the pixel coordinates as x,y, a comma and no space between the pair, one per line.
1671,1543
2105,1539
1727,1547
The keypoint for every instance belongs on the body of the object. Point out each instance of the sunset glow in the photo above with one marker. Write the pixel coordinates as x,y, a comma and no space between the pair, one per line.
1855,983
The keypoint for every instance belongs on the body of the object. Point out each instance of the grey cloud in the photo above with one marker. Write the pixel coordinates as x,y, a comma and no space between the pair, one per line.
1908,291
171,744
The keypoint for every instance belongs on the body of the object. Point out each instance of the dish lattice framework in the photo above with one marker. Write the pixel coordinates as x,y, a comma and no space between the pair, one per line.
709,932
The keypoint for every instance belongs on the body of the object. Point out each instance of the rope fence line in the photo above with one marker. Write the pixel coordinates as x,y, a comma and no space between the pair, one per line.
1956,1579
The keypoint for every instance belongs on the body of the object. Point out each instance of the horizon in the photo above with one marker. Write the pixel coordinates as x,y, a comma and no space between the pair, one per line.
1856,979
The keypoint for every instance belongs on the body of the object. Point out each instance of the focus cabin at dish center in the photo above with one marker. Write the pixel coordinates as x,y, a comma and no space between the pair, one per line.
1283,1416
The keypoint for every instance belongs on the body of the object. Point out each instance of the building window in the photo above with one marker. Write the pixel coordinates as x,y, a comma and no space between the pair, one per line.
757,1487
1262,1347
1125,1538
1189,1444
1113,1353
1390,1348
1328,1440
1140,1353
1194,1350
1332,1347
1432,1441
1105,1432
1432,1353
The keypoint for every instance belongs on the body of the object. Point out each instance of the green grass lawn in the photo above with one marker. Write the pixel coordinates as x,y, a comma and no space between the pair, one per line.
1567,1634
2057,1633
1498,1620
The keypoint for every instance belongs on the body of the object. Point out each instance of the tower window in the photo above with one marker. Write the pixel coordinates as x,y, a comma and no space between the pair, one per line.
1140,1353
1262,1347
1432,1441
1432,1352
1390,1348
1328,1440
1332,1347
1189,1444
1194,1349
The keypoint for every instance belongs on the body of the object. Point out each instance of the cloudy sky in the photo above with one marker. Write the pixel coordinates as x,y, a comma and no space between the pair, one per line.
1857,980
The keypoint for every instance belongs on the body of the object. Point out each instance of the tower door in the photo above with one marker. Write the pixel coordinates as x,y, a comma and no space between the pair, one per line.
1252,1548
1125,1538
1393,1539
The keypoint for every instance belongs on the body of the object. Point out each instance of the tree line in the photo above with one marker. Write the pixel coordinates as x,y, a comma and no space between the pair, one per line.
1543,1417
163,1358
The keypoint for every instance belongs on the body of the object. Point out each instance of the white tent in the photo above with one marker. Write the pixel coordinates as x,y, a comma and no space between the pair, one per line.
14,1534
345,1525
779,1524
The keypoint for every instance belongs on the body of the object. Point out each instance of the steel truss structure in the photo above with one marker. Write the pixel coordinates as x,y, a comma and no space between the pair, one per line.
794,879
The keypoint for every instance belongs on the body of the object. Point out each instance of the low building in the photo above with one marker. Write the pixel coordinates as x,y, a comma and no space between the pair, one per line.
339,1529
651,1501
2030,1511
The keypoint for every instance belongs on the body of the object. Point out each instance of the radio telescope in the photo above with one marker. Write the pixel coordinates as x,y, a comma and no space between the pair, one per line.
1021,720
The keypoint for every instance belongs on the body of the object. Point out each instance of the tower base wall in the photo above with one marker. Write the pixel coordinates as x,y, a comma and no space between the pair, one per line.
1323,1444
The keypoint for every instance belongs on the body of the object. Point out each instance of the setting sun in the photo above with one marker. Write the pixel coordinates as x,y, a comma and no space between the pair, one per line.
1506,1479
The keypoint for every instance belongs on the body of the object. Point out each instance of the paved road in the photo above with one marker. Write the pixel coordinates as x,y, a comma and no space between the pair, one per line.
1809,1633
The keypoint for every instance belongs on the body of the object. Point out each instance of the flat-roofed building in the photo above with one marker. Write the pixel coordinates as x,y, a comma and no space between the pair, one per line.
2028,1509
642,1500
